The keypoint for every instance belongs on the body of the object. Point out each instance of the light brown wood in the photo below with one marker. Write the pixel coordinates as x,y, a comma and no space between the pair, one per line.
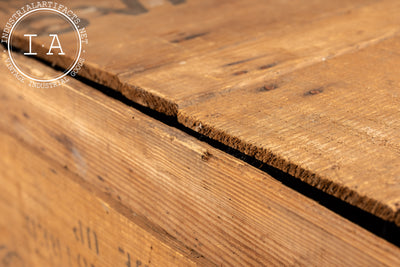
49,219
335,125
225,211
309,87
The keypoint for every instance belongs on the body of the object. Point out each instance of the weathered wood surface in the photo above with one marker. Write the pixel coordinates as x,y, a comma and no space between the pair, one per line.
49,219
181,191
310,87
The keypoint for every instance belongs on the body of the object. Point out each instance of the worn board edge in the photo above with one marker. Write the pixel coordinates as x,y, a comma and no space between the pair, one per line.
42,99
163,105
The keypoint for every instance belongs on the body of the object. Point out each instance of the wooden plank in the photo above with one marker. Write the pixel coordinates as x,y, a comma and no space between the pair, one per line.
223,209
49,219
218,77
335,125
169,42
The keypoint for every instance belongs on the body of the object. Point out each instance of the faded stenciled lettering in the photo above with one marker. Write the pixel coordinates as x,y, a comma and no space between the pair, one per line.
58,250
132,7
87,237
10,257
131,261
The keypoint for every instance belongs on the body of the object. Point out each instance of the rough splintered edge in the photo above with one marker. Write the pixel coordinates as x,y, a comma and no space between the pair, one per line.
133,93
94,73
340,191
143,97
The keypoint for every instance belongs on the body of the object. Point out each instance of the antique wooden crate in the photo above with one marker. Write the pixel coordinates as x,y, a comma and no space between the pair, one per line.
205,133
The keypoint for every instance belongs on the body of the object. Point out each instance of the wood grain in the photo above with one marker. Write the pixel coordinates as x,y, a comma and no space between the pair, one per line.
164,181
309,87
49,219
330,124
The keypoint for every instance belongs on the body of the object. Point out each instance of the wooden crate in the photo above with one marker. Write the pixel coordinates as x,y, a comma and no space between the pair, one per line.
308,87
